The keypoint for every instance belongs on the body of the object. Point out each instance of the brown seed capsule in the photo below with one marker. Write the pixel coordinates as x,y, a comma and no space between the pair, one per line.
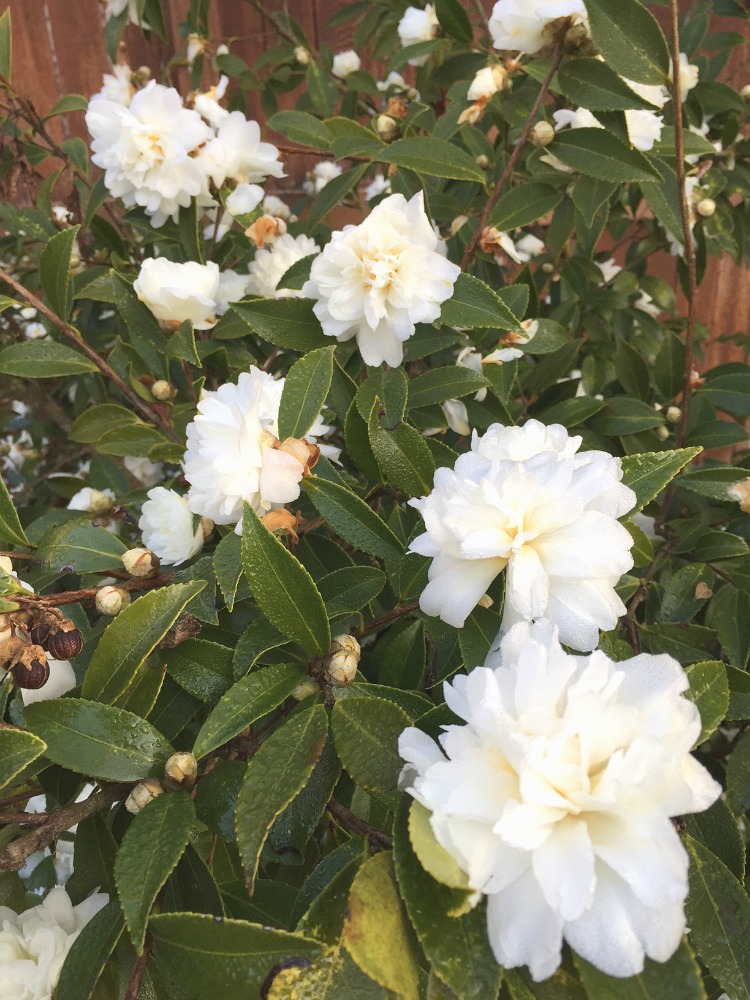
31,670
65,643
39,632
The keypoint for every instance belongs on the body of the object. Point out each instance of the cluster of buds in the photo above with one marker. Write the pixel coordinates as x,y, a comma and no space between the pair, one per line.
180,771
141,562
342,661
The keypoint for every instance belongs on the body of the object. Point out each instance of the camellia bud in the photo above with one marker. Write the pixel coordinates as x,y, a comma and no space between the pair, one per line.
387,128
483,161
140,562
343,660
99,503
745,93
542,134
31,670
111,600
662,432
207,527
457,223
143,793
162,391
265,230
304,689
741,493
706,207
5,629
673,414
180,771
302,55
576,38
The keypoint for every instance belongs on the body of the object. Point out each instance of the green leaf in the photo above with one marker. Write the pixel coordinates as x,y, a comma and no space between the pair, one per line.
434,157
333,194
252,697
94,857
131,637
296,275
718,912
391,388
377,934
352,519
148,854
6,45
275,775
717,829
81,546
475,305
301,127
43,359
98,740
225,958
89,954
68,104
454,20
596,153
96,421
729,391
321,88
439,384
677,979
54,271
738,776
592,84
712,482
630,39
283,588
17,750
647,474
453,936
350,588
10,527
366,735
686,643
403,457
288,323
664,199
732,623
434,858
305,392
202,668
739,694
709,689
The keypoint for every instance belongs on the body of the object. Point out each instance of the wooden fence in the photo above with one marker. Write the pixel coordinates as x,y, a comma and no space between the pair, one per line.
59,49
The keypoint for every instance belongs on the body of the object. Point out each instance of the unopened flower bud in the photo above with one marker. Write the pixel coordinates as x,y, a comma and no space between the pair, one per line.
673,414
207,527
99,502
485,601
696,380
181,770
577,39
111,600
31,670
741,493
745,93
548,268
304,689
143,793
302,55
483,161
662,432
706,207
281,521
266,229
387,128
162,391
457,223
222,50
140,562
542,134
343,660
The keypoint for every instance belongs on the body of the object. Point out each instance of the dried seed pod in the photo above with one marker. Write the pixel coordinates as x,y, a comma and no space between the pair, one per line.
65,643
31,670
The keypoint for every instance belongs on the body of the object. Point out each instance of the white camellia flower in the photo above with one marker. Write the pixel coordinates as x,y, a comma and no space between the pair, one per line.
244,199
523,25
644,127
528,247
524,499
207,104
375,281
117,85
345,63
270,265
689,73
555,800
35,943
145,151
178,292
232,451
232,288
116,7
609,269
35,331
487,82
319,176
237,153
418,25
377,186
62,679
91,500
167,527
274,206
506,349
146,472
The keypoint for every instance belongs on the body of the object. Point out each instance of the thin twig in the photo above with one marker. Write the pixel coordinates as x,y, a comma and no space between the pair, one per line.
687,234
23,818
276,22
72,334
405,609
60,820
482,15
358,825
510,165
139,970
81,596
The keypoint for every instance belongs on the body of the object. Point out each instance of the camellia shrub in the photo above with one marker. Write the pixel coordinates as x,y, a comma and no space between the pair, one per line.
375,604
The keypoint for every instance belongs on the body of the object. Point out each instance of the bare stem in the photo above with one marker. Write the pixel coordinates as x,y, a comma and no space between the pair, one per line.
138,972
72,334
358,825
81,596
687,235
511,164
405,609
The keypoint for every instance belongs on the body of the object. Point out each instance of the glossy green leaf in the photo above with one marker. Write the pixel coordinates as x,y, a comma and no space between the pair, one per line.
454,20
302,127
201,667
149,852
592,84
98,740
709,689
403,457
283,588
432,856
54,271
288,323
17,750
252,697
96,421
677,979
43,359
647,474
275,775
475,305
440,384
717,830
10,526
524,204
738,776
732,623
434,157
89,953
305,392
81,546
231,959
352,519
350,588
630,39
366,735
334,192
131,637
596,153
6,45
